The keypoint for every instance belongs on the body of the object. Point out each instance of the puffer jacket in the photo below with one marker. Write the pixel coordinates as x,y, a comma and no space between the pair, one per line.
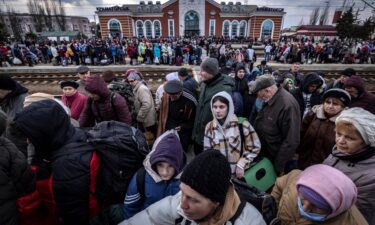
110,106
155,188
360,168
220,82
286,195
168,210
144,105
13,102
61,151
317,137
16,180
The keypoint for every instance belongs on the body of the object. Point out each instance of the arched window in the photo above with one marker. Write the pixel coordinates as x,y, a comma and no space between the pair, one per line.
140,32
234,28
242,29
114,27
267,29
157,28
148,27
226,28
192,23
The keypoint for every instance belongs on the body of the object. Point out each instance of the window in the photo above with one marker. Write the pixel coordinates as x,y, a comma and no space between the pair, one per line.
226,28
234,28
148,27
267,29
212,28
171,28
140,29
242,29
157,28
114,28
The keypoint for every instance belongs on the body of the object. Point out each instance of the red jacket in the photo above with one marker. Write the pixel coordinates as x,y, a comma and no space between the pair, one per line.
75,103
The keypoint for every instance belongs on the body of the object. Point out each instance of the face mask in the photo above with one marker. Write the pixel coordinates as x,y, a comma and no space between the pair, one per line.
308,215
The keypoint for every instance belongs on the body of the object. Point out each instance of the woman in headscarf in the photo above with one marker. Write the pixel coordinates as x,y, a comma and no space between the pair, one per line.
354,155
319,195
223,134
318,128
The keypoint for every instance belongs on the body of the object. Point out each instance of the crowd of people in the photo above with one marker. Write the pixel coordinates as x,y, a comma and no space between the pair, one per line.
178,51
318,136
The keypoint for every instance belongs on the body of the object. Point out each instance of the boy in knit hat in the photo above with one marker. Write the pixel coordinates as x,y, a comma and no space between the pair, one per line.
160,174
206,197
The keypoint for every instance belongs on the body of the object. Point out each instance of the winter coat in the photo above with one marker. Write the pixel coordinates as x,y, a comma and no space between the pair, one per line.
278,126
317,137
156,51
220,82
168,210
132,52
365,99
155,188
242,87
300,93
191,85
226,138
110,106
75,103
144,105
13,102
16,180
61,151
286,195
360,168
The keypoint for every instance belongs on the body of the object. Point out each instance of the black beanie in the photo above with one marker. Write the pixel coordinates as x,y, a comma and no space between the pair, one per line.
69,83
7,83
208,174
349,72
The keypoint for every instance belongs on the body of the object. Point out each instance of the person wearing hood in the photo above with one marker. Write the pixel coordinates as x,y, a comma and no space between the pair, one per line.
360,96
73,99
354,155
241,92
212,83
16,179
12,96
345,75
318,128
207,197
318,195
223,134
102,104
308,94
163,167
63,161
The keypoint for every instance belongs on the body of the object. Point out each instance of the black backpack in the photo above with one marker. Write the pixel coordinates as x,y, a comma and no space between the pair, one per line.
262,201
121,150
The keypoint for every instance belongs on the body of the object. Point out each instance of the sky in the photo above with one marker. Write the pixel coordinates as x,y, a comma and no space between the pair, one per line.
297,12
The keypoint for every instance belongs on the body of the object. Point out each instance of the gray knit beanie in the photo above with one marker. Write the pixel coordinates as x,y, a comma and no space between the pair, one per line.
211,66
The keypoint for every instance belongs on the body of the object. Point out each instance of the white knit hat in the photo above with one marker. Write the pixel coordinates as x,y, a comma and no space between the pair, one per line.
363,121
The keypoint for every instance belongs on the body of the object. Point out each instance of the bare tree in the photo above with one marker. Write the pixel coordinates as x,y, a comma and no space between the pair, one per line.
314,17
59,13
36,10
324,15
48,15
301,22
15,23
3,27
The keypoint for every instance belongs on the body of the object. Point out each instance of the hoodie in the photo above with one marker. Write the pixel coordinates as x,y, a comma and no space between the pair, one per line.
167,148
227,139
365,99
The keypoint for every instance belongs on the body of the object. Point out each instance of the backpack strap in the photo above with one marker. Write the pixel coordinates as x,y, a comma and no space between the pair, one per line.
238,212
140,179
240,127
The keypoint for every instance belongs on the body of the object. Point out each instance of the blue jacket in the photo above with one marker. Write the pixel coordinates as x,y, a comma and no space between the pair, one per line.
153,193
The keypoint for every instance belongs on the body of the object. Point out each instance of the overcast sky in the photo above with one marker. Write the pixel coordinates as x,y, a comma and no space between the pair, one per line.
296,11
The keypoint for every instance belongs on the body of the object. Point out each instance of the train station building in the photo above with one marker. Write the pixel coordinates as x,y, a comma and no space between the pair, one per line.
191,18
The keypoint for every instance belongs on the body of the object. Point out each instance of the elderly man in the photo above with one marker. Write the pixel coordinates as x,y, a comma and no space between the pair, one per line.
83,73
278,123
143,103
345,75
12,96
177,111
212,83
